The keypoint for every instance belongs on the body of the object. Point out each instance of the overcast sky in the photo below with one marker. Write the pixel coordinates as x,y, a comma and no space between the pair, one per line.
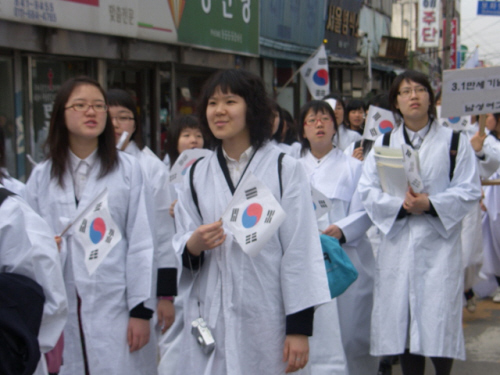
482,31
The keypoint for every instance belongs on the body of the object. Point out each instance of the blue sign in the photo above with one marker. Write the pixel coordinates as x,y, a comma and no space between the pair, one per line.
488,8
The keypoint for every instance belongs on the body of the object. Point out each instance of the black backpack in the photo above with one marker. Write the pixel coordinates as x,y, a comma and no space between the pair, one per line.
21,309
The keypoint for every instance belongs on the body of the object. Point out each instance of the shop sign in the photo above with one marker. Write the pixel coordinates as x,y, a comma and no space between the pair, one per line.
428,23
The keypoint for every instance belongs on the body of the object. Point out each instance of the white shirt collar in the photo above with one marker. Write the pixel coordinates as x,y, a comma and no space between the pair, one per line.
236,167
75,160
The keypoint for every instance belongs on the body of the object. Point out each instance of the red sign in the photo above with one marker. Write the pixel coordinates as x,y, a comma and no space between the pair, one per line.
453,42
86,2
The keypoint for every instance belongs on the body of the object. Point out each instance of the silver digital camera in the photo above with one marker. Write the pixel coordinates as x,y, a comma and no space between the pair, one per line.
202,333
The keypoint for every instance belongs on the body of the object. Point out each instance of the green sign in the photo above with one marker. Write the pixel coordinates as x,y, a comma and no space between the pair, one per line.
223,24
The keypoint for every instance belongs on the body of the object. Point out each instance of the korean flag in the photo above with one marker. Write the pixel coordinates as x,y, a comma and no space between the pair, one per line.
184,161
456,123
96,232
321,202
378,121
253,215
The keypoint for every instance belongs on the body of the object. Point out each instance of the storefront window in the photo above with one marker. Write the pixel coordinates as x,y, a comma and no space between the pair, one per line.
7,122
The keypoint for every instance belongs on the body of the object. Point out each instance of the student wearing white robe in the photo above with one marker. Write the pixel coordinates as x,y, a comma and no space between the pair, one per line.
259,309
336,176
419,277
9,182
114,305
184,133
123,113
27,247
491,222
344,136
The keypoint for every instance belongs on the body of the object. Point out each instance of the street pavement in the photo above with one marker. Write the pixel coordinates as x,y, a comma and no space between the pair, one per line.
482,342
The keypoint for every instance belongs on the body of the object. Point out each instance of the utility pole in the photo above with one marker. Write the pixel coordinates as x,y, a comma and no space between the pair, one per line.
449,12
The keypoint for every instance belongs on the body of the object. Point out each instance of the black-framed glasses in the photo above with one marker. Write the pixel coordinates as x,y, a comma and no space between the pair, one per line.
83,107
122,119
406,92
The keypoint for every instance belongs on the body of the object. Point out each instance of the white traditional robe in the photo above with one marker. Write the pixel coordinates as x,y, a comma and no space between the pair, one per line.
419,274
491,224
27,247
344,137
292,150
123,280
12,184
245,300
336,176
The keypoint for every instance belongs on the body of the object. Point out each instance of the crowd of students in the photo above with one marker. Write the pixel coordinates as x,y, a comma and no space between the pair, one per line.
177,295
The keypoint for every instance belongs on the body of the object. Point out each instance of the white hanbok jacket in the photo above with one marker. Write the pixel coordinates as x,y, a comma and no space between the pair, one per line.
156,175
344,137
123,280
419,274
337,178
12,184
245,300
27,247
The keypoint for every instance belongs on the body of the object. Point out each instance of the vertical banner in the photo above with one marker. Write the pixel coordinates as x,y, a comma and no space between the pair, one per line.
315,74
428,23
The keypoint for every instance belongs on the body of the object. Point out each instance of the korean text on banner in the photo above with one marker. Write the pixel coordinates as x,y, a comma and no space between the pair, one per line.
471,92
97,232
428,23
378,121
315,74
253,215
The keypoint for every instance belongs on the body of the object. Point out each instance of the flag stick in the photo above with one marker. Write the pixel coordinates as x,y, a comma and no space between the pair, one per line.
482,124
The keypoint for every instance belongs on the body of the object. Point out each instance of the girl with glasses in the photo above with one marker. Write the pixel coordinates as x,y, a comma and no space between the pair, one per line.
108,329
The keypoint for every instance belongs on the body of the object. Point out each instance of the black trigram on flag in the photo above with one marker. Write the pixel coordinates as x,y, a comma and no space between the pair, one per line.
173,176
83,226
94,254
322,203
98,207
183,159
408,153
234,214
377,116
251,193
373,132
110,236
269,216
251,238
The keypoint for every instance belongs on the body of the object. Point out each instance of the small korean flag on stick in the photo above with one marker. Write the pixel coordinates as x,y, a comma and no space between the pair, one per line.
455,123
315,73
321,202
96,231
253,215
410,164
184,161
378,121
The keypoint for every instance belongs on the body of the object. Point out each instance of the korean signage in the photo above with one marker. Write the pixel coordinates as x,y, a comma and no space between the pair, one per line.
488,8
453,43
471,92
341,26
428,23
224,24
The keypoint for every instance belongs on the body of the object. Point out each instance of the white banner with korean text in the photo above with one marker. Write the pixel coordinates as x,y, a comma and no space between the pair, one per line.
428,23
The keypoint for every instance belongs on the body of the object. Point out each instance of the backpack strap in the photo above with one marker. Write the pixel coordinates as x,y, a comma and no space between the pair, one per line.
191,186
4,194
387,139
455,137
280,167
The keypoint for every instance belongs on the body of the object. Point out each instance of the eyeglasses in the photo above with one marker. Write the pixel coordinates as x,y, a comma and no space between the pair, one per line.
83,107
122,119
313,120
406,92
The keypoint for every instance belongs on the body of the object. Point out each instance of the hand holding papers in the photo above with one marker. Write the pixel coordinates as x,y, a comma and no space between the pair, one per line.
184,161
397,169
253,215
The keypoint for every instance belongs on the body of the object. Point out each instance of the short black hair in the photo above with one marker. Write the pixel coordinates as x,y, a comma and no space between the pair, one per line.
417,77
119,97
251,88
174,131
316,106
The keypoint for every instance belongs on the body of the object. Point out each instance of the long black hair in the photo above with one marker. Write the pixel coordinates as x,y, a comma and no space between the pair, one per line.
58,139
251,88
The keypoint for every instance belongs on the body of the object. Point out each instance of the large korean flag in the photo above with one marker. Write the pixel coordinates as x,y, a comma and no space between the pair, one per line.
97,232
253,215
315,74
184,161
378,121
